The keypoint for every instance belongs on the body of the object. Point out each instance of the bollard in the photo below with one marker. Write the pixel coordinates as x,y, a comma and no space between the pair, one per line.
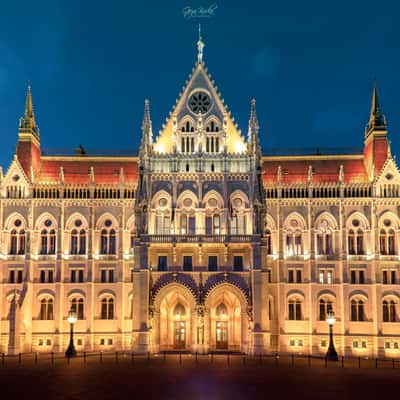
19,358
326,362
101,356
36,357
376,363
133,357
180,357
359,362
292,360
227,358
309,360
52,357
393,364
276,359
196,357
84,357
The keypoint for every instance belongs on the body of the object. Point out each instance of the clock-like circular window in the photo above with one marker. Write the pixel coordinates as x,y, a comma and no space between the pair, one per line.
199,102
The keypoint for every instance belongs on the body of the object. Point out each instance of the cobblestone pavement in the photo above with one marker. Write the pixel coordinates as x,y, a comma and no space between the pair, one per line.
207,378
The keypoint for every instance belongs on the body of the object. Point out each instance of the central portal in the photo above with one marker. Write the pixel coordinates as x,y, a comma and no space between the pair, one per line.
179,335
222,335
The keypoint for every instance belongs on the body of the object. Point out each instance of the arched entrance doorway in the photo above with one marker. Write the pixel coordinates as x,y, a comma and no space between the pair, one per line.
227,319
173,319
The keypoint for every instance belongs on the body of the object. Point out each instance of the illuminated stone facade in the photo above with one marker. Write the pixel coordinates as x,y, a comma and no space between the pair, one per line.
200,241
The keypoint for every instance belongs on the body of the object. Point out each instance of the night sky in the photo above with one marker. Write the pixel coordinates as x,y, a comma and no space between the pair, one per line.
309,64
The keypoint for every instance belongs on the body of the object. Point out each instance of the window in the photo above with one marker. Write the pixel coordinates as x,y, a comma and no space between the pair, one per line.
47,240
46,275
46,309
325,307
357,276
107,275
213,225
77,275
389,277
357,310
324,241
163,225
355,241
187,263
389,311
108,239
162,263
78,241
387,241
238,224
77,306
325,276
295,310
188,224
15,276
17,239
107,308
212,263
238,263
268,241
295,275
294,243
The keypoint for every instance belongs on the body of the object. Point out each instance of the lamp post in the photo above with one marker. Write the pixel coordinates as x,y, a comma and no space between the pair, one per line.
72,318
331,354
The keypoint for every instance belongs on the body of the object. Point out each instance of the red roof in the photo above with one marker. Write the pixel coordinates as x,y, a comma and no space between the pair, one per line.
76,171
296,171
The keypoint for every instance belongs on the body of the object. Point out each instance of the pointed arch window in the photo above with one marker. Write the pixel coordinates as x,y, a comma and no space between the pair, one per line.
17,239
46,309
78,241
294,245
357,310
387,242
325,307
108,239
48,242
77,305
324,239
107,308
389,311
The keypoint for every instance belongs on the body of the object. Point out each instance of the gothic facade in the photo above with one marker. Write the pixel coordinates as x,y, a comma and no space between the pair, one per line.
201,241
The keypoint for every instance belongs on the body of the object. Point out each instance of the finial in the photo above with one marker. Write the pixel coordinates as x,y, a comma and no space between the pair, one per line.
376,119
200,47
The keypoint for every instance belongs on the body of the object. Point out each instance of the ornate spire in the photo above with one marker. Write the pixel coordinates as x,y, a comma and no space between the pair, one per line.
200,47
28,120
147,132
253,122
377,121
254,127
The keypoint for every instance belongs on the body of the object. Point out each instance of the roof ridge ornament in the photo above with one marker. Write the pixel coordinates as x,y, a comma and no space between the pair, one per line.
200,47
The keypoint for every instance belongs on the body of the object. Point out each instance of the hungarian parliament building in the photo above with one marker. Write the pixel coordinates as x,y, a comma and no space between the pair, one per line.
200,241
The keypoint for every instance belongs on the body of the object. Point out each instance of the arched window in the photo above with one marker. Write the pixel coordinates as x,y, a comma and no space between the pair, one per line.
46,309
325,307
17,238
389,311
108,239
357,310
213,224
387,242
107,308
324,238
48,238
294,243
294,310
77,305
351,242
188,224
360,241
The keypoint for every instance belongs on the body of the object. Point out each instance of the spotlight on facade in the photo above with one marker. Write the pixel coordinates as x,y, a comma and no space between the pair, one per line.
331,354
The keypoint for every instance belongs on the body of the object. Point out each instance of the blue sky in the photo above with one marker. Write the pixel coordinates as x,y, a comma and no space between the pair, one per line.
309,64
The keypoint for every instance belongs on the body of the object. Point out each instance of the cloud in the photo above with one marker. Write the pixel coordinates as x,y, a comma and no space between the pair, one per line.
264,63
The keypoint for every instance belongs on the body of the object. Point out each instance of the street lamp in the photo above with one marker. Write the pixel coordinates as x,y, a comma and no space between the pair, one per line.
331,354
72,318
